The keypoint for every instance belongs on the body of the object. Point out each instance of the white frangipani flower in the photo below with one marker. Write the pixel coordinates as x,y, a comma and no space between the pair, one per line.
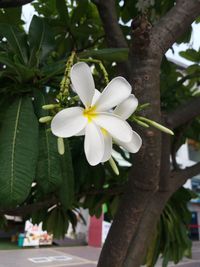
96,120
124,110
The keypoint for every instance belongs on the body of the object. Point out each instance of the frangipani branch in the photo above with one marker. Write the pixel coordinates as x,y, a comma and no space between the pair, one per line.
179,177
174,24
184,113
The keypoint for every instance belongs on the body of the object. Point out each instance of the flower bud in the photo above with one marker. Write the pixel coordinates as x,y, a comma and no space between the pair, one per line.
45,119
141,123
157,125
61,146
50,106
161,127
113,166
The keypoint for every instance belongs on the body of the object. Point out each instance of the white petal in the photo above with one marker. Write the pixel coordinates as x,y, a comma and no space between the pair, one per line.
83,82
117,127
107,147
95,97
114,93
127,107
134,145
94,144
68,122
81,133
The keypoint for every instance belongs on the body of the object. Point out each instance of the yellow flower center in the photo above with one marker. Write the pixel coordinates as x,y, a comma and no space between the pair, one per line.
90,113
104,132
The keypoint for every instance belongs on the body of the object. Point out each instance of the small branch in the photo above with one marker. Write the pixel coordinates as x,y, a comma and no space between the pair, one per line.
178,140
13,3
105,191
107,12
173,25
114,35
196,74
184,113
179,177
27,209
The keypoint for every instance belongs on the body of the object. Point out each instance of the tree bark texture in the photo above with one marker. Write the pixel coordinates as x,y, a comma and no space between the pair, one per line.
151,182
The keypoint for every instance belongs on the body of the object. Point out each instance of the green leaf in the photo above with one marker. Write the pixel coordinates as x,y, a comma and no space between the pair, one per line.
40,99
191,54
15,67
11,16
66,193
63,11
49,174
53,69
109,54
16,40
57,222
41,40
45,10
18,152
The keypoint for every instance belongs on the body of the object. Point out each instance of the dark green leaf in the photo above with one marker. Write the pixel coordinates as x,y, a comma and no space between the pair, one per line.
18,152
66,193
191,55
49,174
17,41
41,40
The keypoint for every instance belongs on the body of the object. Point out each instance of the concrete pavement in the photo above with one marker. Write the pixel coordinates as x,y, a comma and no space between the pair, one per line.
50,257
83,256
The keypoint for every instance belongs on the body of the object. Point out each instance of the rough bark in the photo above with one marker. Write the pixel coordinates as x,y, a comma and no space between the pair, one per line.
179,177
175,23
143,182
143,237
151,182
145,231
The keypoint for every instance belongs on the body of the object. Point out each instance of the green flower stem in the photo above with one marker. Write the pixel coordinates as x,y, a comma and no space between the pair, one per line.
141,123
99,62
156,125
143,106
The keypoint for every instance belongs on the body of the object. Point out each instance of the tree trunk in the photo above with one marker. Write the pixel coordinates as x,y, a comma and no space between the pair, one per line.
151,181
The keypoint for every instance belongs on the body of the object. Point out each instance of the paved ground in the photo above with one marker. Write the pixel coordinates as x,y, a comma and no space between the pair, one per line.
70,256
50,257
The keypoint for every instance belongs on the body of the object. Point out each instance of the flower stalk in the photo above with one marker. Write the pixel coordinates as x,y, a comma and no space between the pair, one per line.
64,85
